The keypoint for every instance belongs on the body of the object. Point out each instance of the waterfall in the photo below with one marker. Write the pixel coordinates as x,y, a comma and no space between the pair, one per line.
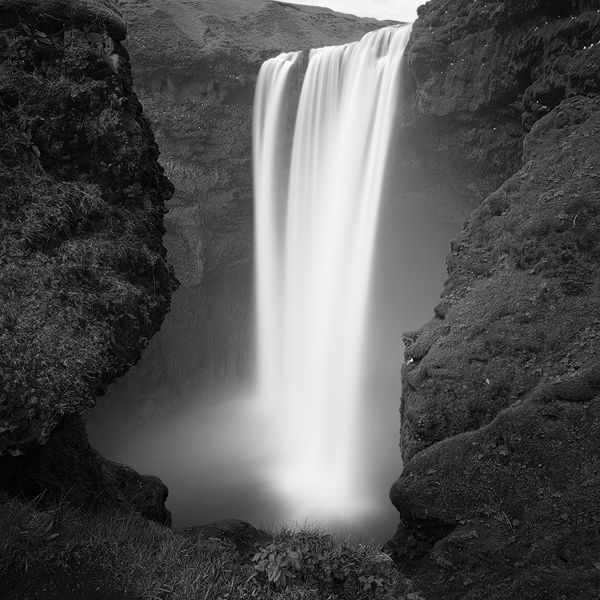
315,222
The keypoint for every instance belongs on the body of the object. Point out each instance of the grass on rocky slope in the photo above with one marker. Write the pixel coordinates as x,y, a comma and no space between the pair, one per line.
142,558
70,263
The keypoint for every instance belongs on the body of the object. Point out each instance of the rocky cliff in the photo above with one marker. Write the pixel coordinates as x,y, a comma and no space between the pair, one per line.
84,283
480,74
501,389
500,402
195,68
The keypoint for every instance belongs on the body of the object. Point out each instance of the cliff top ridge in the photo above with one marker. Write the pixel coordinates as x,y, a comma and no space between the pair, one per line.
253,30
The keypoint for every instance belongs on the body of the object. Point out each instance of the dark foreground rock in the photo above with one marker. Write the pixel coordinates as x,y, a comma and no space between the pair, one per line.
500,408
84,283
67,468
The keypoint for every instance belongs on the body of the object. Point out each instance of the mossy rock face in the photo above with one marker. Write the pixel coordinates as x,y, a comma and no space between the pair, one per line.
501,390
500,402
479,75
84,283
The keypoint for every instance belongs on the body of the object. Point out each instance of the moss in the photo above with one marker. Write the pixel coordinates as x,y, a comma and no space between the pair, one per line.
83,279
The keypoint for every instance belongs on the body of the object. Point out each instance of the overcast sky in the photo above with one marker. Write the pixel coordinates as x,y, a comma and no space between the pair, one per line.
397,10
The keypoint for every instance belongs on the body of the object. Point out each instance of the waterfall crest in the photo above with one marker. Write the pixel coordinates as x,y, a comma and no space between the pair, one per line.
315,232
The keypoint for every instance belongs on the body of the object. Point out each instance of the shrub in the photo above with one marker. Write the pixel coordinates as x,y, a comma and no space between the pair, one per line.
328,566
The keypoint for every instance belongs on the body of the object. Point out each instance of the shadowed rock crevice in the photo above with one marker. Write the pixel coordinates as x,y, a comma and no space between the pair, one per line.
67,469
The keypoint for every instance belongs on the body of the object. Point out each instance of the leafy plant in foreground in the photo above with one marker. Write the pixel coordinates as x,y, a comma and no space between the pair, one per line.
331,568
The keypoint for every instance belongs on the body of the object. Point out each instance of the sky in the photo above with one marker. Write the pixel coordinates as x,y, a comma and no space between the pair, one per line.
396,10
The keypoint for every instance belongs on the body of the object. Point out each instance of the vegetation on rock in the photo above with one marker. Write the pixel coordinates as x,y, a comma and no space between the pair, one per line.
501,390
84,283
480,74
83,279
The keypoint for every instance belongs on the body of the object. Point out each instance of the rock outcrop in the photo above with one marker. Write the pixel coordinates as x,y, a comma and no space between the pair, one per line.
479,75
84,282
195,69
501,389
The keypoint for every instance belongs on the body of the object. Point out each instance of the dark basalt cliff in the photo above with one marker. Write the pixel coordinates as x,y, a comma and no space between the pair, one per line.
195,68
500,409
84,283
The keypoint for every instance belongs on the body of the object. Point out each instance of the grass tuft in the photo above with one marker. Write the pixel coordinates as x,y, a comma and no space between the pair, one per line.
142,558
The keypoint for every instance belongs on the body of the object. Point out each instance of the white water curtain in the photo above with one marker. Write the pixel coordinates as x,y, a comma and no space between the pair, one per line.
314,265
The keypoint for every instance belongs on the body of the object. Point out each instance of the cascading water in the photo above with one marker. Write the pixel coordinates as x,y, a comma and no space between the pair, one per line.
314,247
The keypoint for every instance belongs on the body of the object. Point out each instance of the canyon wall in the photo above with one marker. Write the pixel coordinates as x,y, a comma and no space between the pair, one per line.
479,75
84,282
500,404
500,401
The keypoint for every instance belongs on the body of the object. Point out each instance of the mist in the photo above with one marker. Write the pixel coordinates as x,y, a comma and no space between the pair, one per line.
216,457
312,436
